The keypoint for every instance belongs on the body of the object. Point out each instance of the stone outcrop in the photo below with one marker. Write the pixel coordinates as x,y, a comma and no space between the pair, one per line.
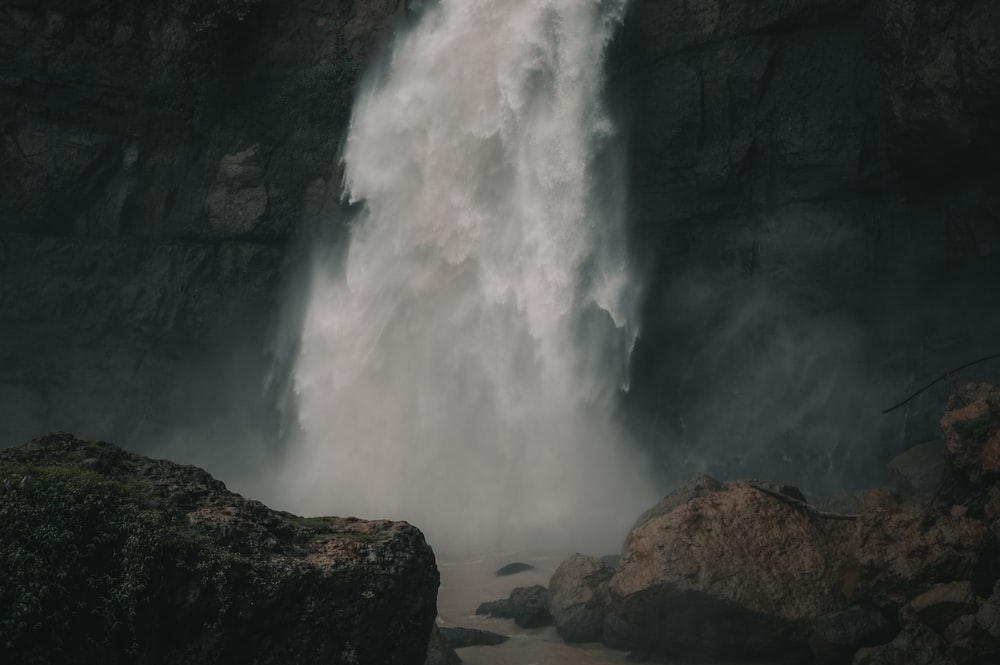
748,569
156,160
745,571
112,557
812,195
737,573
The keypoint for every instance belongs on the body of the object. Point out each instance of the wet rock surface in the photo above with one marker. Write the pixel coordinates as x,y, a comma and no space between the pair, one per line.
723,571
156,160
732,574
116,558
527,606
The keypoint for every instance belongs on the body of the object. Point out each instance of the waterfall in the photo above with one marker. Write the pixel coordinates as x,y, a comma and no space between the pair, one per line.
458,368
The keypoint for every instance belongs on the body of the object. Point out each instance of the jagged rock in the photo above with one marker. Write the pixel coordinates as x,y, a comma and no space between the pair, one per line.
578,598
456,638
112,557
903,552
736,572
527,606
837,636
971,426
920,468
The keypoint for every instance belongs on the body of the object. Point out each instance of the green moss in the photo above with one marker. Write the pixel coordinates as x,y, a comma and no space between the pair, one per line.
92,564
323,527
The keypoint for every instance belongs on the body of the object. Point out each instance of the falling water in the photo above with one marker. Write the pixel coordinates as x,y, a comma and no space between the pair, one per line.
458,370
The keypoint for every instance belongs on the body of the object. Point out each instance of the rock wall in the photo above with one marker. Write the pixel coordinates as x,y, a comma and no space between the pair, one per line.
812,197
156,161
814,204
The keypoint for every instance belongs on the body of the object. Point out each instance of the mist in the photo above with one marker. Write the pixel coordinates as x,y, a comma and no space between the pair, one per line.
458,367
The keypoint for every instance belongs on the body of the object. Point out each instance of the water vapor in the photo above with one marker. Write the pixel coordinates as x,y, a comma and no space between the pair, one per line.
458,368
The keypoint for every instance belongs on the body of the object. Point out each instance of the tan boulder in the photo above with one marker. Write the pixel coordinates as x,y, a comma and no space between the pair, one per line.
903,552
737,572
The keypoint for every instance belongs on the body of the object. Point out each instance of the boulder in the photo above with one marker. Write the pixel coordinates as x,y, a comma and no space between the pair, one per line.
114,558
578,598
971,426
738,572
527,606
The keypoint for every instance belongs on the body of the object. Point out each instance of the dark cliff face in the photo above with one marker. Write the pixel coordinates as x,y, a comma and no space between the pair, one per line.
814,202
812,186
156,159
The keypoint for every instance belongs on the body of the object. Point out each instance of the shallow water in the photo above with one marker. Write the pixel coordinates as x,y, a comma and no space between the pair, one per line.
468,581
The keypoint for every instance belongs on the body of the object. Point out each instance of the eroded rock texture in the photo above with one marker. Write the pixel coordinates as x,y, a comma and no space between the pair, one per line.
155,161
110,557
749,570
813,194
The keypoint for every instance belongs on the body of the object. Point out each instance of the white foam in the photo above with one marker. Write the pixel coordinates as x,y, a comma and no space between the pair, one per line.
447,376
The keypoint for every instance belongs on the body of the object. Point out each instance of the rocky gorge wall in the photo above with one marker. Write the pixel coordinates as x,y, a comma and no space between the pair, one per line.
814,201
812,196
156,160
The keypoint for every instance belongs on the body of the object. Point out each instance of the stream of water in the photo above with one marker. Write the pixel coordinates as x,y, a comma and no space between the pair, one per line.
459,368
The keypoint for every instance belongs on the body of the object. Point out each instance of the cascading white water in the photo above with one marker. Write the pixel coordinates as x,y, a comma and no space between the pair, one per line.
458,372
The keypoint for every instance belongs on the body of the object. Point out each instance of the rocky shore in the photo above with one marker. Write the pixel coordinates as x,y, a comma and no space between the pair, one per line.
118,558
749,571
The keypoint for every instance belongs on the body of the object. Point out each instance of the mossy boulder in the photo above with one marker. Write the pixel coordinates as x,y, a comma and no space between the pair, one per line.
112,557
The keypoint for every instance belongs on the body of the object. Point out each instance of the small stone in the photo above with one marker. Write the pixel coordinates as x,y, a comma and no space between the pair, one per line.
514,568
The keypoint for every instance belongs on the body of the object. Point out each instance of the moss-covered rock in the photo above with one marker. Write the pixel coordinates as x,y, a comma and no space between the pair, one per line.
112,557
